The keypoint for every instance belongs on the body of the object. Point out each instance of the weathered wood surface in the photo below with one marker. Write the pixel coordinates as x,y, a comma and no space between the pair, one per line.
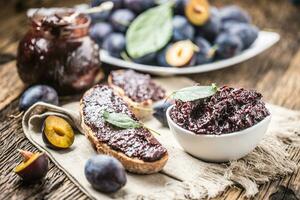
275,73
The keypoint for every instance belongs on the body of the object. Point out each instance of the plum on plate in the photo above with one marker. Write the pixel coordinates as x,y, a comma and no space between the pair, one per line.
105,173
228,45
57,133
205,53
160,109
197,12
33,167
234,13
121,19
179,6
139,6
182,29
38,93
181,54
147,59
212,27
99,31
246,32
161,57
114,44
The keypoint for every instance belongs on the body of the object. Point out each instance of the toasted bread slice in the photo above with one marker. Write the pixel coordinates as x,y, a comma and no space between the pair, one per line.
131,163
142,108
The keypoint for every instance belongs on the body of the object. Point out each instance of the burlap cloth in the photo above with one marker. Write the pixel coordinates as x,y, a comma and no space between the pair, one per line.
183,177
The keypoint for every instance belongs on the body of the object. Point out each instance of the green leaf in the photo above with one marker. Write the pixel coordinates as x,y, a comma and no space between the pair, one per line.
120,120
150,31
195,92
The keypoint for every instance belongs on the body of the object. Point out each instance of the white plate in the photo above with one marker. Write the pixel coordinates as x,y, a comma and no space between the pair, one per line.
264,41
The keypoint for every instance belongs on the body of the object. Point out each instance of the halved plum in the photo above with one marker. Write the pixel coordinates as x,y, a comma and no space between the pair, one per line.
57,133
197,11
33,167
181,54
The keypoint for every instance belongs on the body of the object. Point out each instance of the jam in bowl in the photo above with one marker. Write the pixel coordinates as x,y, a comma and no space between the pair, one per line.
225,126
57,50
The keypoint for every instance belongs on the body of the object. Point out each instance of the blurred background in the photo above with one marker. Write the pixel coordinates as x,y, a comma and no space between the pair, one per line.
271,72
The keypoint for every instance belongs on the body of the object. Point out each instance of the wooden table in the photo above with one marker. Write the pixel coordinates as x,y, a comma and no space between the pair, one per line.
275,73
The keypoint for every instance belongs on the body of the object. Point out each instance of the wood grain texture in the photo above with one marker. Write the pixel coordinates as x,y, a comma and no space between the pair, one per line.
275,73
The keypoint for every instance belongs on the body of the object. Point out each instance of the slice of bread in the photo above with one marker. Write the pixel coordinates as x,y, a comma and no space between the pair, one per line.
132,164
143,109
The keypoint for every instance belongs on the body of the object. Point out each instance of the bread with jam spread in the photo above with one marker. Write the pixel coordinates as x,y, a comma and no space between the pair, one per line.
138,90
136,148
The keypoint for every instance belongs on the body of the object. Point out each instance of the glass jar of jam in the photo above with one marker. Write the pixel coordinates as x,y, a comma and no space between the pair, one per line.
58,51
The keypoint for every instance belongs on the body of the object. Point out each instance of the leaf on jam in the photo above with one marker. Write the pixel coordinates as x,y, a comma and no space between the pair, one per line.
120,120
195,92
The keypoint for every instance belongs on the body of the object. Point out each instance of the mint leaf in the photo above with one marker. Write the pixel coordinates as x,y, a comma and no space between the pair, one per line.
150,31
120,120
195,92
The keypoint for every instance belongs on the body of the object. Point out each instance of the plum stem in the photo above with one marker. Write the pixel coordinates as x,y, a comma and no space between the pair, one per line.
25,154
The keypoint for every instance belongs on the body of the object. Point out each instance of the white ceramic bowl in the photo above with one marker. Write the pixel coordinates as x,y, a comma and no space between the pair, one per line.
219,148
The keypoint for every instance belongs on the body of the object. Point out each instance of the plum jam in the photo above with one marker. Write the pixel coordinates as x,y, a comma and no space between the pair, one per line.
58,51
228,110
138,87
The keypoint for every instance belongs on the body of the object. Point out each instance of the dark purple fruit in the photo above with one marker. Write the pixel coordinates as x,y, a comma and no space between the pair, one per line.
33,167
228,25
234,13
147,59
246,32
205,54
228,45
160,109
100,31
139,6
114,44
161,57
121,19
38,93
212,27
180,6
182,29
105,173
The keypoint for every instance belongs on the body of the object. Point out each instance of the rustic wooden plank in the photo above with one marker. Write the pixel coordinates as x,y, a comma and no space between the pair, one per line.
288,87
54,185
10,84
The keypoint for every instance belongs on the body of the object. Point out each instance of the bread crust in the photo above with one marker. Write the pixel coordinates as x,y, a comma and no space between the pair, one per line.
142,110
134,165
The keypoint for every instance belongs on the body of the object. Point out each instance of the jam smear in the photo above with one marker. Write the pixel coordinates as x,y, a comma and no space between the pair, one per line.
138,87
137,143
227,111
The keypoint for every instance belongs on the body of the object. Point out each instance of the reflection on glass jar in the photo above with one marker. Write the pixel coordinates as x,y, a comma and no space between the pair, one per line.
58,51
